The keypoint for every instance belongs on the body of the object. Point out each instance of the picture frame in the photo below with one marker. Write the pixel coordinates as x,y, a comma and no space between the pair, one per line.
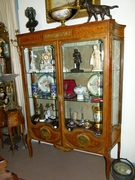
50,4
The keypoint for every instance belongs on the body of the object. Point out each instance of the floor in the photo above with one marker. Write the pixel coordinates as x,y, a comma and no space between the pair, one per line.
48,163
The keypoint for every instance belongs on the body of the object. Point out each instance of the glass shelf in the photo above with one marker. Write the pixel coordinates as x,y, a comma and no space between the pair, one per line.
45,98
52,73
83,72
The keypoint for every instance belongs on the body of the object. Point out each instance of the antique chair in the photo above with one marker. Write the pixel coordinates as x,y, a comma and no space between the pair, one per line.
5,174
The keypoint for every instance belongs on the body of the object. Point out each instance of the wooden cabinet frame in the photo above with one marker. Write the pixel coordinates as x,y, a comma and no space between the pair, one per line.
110,33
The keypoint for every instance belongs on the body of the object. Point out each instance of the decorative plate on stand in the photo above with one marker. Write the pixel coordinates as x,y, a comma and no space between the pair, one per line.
95,84
44,83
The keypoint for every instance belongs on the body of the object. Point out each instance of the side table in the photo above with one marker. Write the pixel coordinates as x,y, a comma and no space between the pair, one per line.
3,123
15,118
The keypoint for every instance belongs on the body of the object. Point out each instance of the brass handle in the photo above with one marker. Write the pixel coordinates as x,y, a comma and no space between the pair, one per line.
45,133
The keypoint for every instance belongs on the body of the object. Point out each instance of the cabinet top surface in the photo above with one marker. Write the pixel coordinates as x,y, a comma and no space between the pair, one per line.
75,31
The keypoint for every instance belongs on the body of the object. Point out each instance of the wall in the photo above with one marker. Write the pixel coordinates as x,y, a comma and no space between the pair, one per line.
123,15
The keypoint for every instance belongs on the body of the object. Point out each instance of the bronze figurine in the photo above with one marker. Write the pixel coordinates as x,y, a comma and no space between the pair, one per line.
77,61
94,10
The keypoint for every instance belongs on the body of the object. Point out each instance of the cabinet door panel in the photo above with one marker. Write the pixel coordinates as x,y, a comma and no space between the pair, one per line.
45,133
83,63
42,84
85,140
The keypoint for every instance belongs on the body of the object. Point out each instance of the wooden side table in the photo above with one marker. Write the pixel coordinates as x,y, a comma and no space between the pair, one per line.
15,118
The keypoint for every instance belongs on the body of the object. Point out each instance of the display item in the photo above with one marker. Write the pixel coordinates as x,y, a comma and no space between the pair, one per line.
77,61
95,85
6,50
95,10
44,83
30,13
80,91
53,90
33,67
98,116
35,90
95,60
63,13
69,85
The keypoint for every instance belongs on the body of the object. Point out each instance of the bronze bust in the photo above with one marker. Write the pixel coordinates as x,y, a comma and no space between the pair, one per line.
31,14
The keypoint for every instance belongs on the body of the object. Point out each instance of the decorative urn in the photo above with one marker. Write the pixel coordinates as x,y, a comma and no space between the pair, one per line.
97,115
63,13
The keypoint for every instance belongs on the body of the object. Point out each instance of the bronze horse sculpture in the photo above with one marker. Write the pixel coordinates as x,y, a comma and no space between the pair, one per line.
94,10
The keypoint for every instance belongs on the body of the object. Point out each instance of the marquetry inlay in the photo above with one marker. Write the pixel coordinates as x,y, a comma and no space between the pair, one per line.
31,39
55,35
89,30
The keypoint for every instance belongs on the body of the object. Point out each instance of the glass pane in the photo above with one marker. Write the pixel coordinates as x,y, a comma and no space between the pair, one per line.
83,85
41,82
115,81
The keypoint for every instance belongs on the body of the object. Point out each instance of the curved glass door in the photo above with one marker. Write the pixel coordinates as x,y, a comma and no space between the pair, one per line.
41,84
83,63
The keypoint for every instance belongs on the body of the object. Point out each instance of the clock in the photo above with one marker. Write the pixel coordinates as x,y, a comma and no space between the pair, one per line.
46,57
95,84
122,169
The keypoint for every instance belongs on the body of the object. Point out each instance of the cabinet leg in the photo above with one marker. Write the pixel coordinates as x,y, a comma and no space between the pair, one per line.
23,137
108,165
29,146
119,147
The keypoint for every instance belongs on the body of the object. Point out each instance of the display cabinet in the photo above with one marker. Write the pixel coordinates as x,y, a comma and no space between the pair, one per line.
72,80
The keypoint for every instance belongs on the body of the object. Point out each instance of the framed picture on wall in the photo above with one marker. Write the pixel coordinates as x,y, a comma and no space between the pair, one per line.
50,4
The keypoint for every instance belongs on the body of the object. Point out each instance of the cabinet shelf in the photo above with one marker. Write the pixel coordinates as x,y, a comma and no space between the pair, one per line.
54,73
84,72
96,99
51,73
48,97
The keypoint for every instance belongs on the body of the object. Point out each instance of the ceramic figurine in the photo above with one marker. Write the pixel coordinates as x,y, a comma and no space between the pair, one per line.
33,62
46,62
95,60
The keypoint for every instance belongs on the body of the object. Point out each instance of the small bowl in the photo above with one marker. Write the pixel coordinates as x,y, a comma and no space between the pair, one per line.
87,124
